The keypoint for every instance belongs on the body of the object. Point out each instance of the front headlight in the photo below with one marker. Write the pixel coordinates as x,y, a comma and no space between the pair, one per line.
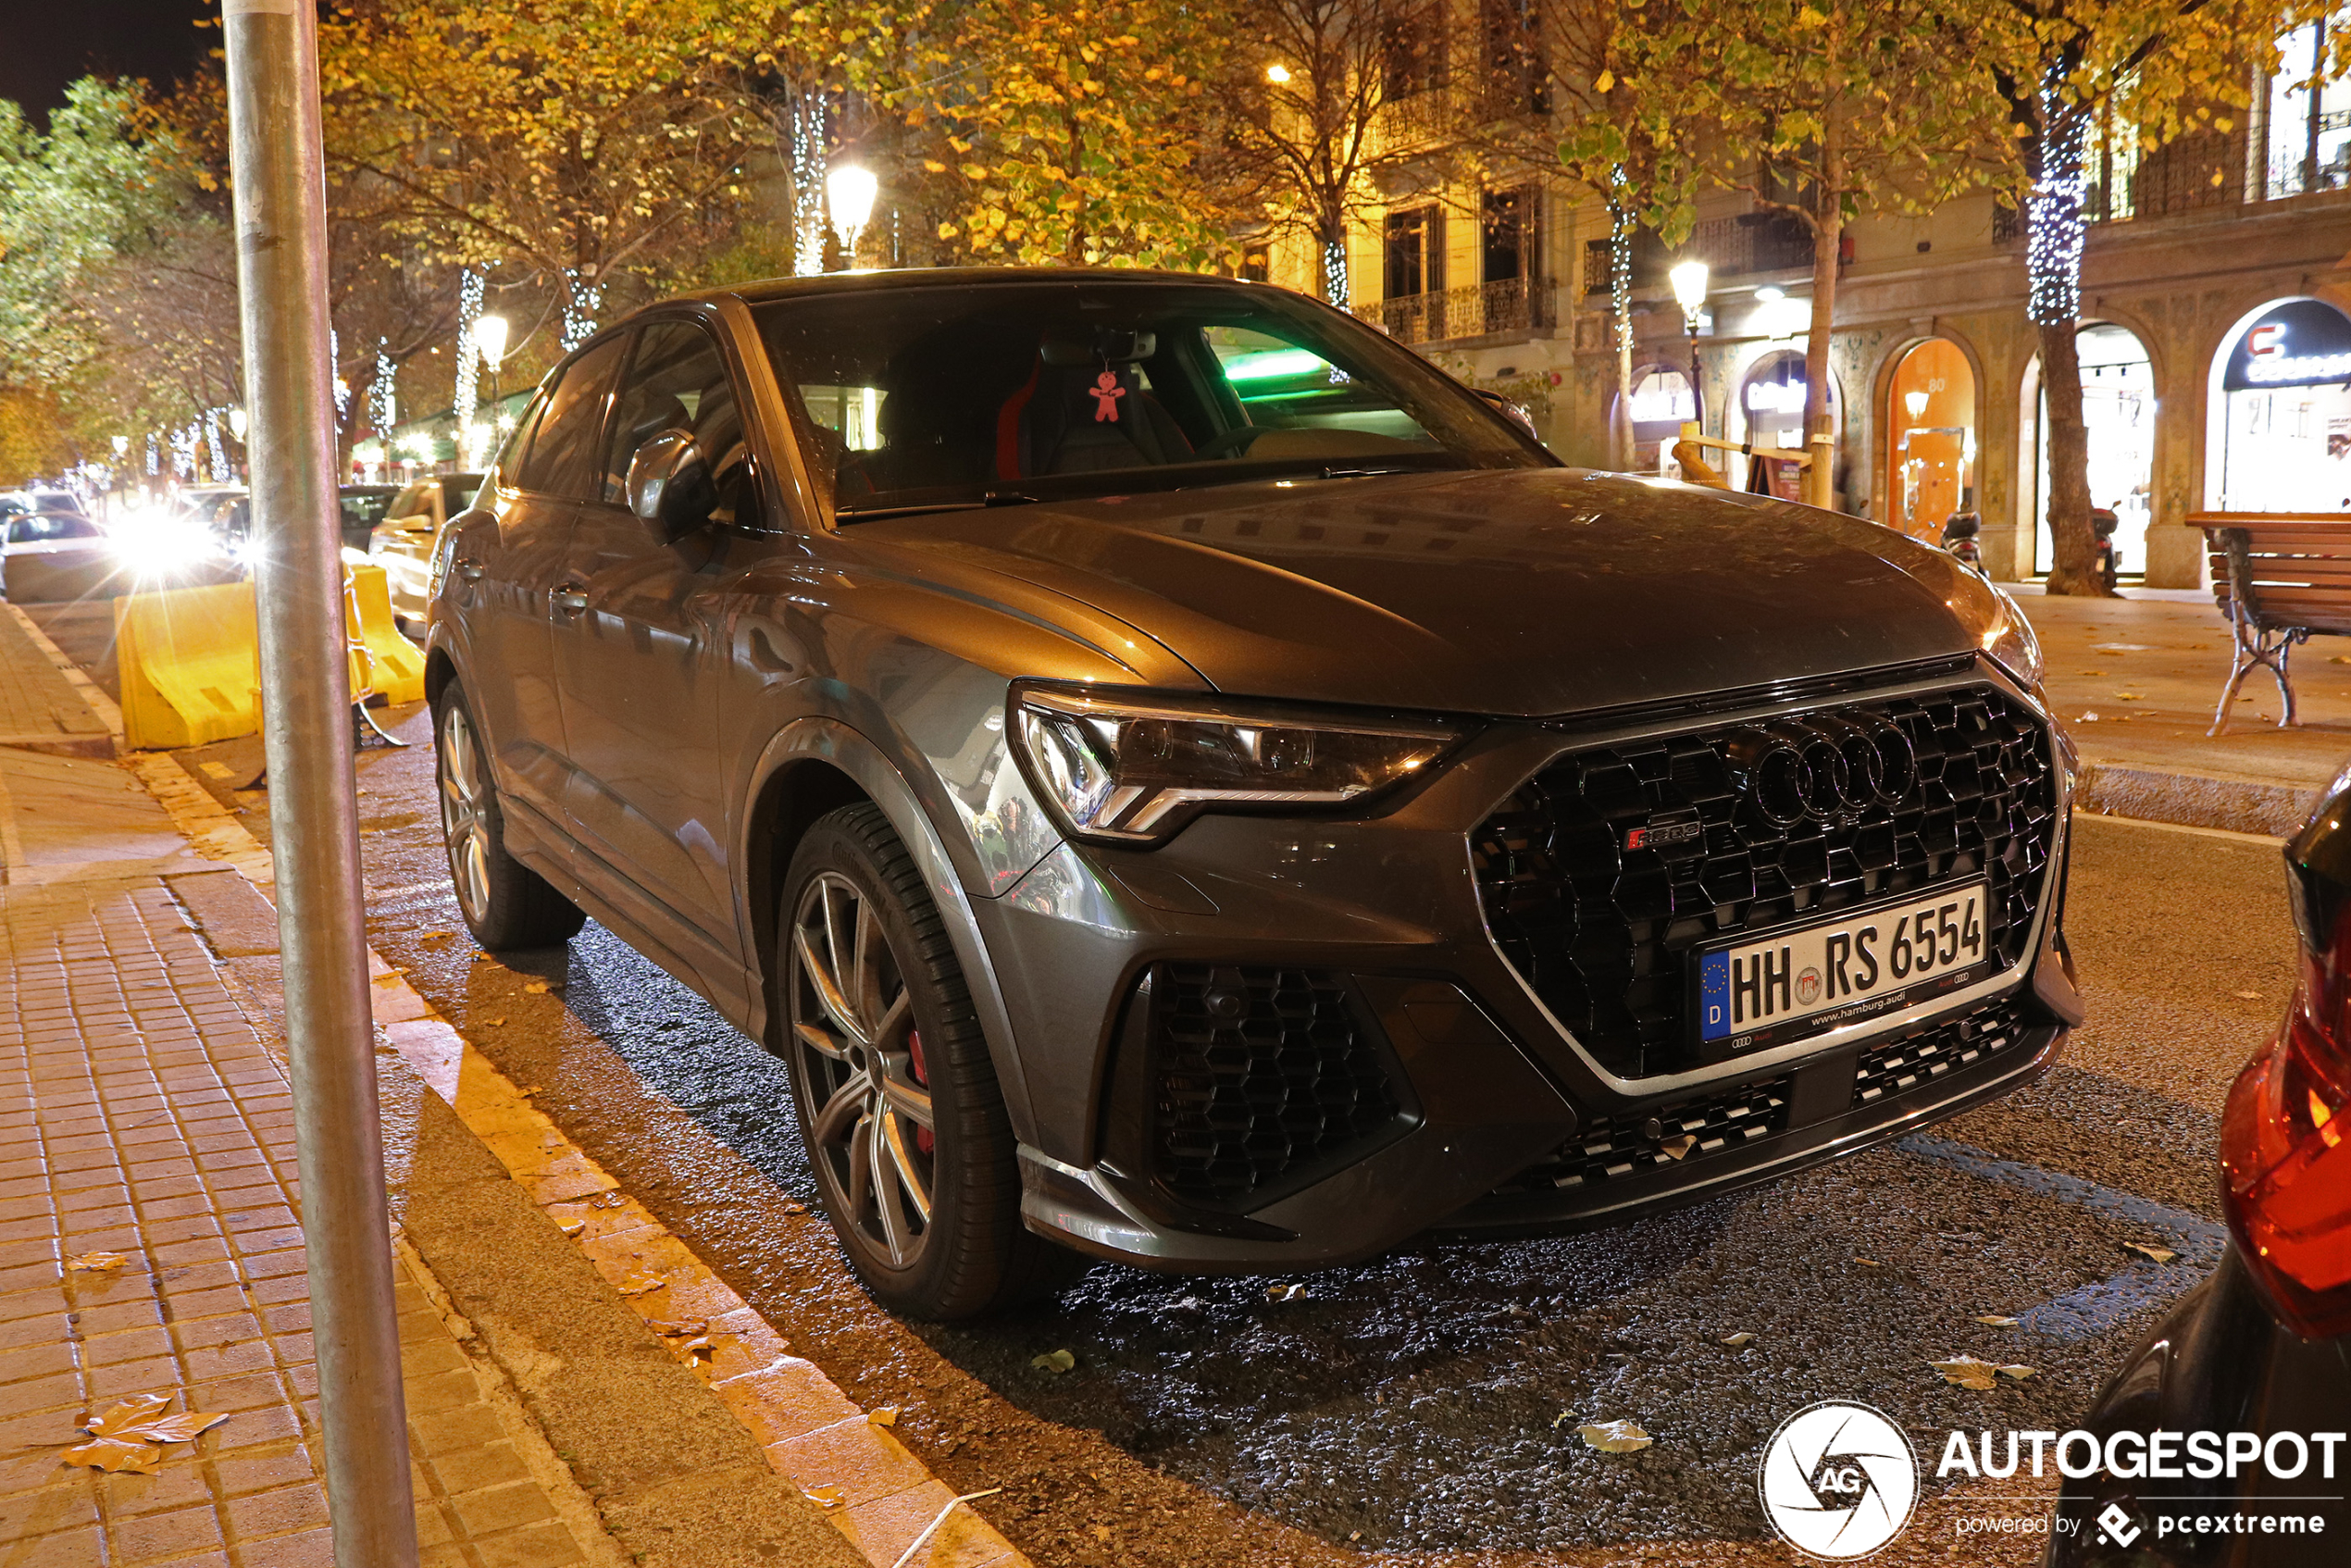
1118,765
2011,641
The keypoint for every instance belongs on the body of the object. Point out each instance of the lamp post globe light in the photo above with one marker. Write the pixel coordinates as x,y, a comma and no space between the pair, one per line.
490,337
1689,279
850,189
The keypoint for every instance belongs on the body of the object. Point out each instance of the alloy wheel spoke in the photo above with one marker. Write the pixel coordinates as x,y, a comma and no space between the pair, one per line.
818,1041
904,1099
910,1178
820,979
884,1186
847,1104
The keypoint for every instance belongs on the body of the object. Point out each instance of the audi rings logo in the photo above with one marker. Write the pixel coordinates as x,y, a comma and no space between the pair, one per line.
1838,1481
1825,767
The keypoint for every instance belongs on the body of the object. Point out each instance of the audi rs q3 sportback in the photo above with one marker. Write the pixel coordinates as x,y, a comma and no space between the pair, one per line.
1177,777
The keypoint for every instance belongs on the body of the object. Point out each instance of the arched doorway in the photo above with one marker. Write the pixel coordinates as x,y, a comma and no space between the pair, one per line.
1772,402
2278,433
2118,415
1930,421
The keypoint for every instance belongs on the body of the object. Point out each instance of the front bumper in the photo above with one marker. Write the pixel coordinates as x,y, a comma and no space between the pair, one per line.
1505,1122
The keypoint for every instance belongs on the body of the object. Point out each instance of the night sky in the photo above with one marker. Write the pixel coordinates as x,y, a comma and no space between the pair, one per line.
49,43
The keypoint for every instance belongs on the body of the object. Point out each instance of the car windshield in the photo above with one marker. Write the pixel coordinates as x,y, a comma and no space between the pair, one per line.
40,526
916,397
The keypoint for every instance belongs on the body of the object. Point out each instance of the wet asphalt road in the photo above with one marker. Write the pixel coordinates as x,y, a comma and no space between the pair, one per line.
1424,1404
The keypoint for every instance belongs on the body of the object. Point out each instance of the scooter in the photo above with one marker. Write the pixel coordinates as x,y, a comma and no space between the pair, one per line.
2103,523
1958,538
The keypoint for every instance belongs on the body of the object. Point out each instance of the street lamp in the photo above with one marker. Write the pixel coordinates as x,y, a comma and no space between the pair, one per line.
1689,289
850,189
490,337
238,423
1277,73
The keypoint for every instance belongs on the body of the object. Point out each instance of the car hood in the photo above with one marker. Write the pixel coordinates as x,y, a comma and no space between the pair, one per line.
1525,593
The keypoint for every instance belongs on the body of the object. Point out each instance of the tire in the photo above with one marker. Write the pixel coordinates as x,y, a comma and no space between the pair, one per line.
928,1212
506,905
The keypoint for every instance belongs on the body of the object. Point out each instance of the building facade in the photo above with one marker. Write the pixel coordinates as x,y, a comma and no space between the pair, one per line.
2215,343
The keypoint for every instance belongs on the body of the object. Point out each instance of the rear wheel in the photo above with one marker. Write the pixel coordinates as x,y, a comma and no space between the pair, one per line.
898,1101
506,905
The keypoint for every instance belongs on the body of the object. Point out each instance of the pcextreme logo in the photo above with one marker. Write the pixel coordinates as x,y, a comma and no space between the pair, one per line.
1838,1481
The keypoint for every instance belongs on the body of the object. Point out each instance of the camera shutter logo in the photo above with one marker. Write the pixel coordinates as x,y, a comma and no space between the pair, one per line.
1838,1481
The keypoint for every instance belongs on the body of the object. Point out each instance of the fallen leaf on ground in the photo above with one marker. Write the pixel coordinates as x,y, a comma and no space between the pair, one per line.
571,1227
883,1415
2339,659
185,1427
114,1456
2150,1251
1998,1321
96,1262
678,1328
436,939
125,1414
2248,996
1675,1148
1102,1532
699,1345
1053,1360
1735,1340
1968,1372
1614,1436
795,1208
528,1090
2093,672
388,975
2089,718
537,988
824,1497
481,958
610,1198
1284,1293
637,1282
2016,1373
2131,696
495,1023
1869,1263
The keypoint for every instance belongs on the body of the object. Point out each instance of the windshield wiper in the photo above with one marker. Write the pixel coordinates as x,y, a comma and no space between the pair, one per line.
866,514
1336,471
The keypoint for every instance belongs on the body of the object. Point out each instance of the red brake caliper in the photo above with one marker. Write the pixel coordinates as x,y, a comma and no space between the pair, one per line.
922,1075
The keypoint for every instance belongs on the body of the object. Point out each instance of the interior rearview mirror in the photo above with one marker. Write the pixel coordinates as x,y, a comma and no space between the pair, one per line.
1510,411
668,483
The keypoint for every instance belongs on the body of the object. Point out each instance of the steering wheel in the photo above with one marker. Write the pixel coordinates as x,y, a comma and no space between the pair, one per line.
1229,442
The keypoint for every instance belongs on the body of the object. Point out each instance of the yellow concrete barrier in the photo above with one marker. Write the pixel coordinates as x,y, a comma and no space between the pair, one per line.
190,664
393,666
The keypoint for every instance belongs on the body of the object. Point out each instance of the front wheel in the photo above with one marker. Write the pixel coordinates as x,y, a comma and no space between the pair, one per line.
507,906
898,1101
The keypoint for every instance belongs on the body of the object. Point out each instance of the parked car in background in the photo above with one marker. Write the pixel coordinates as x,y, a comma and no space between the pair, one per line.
364,506
1176,775
402,542
2263,1348
52,556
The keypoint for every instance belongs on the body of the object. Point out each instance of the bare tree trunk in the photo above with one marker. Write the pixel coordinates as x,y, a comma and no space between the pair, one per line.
2075,569
1828,234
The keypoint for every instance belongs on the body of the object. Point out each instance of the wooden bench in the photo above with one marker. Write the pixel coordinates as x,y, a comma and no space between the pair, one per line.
2280,577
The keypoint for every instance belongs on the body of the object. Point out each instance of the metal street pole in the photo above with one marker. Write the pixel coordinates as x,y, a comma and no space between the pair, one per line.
278,166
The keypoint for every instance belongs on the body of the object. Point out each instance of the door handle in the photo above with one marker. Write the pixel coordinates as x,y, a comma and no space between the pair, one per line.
571,598
469,568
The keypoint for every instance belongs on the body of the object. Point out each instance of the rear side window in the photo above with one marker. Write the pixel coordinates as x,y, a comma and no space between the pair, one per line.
565,455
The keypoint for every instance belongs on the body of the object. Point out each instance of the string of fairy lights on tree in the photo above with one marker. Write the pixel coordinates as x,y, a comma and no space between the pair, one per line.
1620,262
470,286
2053,228
383,403
807,112
1335,283
216,450
581,301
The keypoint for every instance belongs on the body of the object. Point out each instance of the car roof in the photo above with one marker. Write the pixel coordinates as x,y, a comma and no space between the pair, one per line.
767,289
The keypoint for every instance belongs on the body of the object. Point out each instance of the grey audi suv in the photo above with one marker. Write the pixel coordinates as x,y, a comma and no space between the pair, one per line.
1179,779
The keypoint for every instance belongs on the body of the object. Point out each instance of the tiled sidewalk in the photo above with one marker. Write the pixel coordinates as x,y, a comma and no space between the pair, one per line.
140,1114
39,710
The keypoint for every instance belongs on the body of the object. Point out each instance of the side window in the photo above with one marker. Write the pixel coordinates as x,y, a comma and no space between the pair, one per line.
562,459
677,381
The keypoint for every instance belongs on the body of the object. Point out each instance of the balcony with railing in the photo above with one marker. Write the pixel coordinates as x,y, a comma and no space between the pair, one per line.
1731,247
1507,304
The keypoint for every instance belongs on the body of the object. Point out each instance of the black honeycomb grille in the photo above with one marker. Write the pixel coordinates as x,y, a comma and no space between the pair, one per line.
1892,1066
1601,931
1637,1141
1257,1072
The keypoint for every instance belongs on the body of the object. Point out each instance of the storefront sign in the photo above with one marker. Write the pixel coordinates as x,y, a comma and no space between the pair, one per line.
2302,342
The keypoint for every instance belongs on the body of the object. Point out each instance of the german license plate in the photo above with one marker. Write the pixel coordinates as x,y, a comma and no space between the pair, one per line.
1855,964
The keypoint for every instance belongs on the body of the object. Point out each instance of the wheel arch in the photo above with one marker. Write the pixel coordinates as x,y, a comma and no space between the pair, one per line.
818,766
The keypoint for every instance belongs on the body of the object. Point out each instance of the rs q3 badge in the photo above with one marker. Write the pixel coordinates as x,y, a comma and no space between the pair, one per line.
1660,831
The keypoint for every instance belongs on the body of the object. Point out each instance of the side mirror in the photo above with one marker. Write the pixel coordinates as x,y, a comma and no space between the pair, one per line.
1510,411
668,483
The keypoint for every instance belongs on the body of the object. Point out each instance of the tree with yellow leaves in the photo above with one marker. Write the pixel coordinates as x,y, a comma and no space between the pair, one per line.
1077,134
